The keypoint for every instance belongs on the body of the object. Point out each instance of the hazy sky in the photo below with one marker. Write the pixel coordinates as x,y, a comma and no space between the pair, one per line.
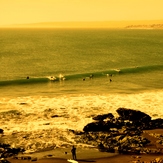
31,11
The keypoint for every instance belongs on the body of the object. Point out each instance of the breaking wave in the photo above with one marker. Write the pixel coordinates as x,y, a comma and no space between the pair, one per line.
122,71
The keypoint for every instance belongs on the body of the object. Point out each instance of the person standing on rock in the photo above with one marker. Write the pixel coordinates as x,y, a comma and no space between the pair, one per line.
73,151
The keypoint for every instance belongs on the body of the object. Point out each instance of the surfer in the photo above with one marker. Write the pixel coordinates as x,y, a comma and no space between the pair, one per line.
73,151
91,76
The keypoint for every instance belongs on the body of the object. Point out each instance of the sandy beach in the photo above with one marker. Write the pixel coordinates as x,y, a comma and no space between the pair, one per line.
114,159
92,154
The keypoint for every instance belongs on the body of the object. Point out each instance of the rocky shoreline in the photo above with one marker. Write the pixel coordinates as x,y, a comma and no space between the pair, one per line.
129,133
7,152
124,134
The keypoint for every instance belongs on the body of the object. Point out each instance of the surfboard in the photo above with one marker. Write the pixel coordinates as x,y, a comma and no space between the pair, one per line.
73,161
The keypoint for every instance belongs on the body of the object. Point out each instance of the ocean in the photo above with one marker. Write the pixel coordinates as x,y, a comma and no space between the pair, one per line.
55,80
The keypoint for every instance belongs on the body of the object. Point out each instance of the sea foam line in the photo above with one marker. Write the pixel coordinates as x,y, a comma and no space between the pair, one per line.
30,122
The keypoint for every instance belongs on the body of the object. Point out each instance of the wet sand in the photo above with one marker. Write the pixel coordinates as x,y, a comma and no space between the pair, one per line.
114,159
93,155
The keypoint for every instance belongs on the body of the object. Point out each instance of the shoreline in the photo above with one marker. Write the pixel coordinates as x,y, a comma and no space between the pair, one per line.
93,154
138,140
65,153
61,155
113,159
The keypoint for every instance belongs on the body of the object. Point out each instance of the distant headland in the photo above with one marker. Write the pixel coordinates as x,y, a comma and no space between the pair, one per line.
142,24
152,26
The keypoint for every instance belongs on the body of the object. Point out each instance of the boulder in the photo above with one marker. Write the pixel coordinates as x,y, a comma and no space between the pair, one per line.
96,126
133,115
157,123
103,126
54,116
1,131
103,116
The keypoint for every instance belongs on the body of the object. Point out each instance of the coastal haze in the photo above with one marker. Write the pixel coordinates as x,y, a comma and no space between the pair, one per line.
64,62
93,24
29,12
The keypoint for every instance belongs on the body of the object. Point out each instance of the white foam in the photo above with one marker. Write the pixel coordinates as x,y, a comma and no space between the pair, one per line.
34,115
73,161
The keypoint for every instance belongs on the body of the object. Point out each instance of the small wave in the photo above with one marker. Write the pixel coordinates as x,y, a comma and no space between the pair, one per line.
122,71
10,112
141,69
24,81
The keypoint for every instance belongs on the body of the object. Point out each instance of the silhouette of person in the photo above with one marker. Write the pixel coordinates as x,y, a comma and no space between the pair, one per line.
73,151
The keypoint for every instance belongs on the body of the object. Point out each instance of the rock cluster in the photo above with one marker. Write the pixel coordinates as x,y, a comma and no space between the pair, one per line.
122,134
159,137
6,151
157,160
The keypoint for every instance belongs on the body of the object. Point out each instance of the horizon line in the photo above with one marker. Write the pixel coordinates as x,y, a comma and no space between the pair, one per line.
82,24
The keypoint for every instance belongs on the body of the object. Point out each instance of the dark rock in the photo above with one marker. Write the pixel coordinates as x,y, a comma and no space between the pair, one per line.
156,123
23,103
104,116
133,115
101,147
54,116
34,159
96,126
76,132
26,158
115,124
46,124
2,145
1,131
7,151
104,125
